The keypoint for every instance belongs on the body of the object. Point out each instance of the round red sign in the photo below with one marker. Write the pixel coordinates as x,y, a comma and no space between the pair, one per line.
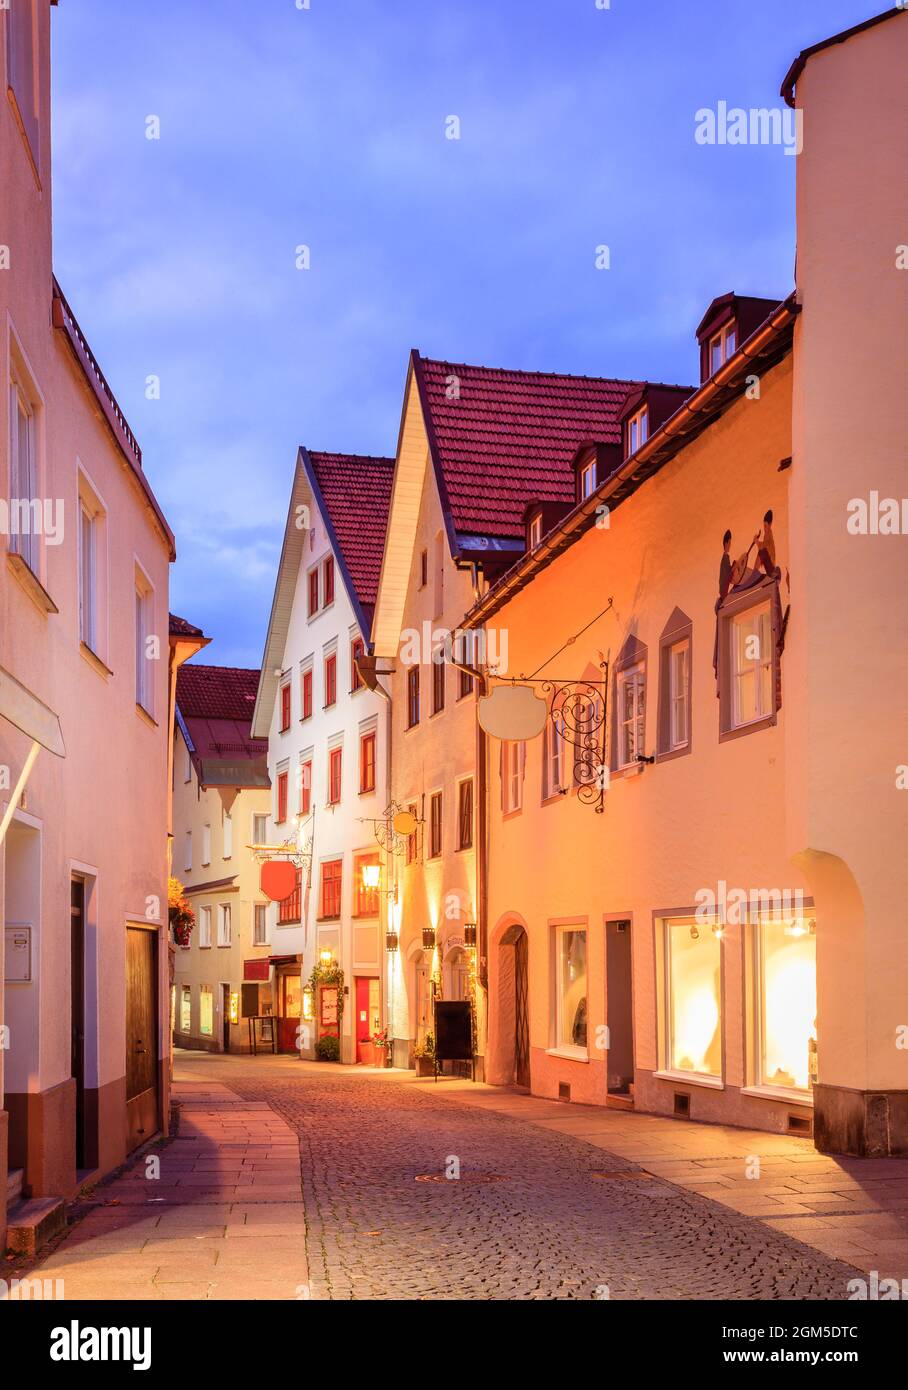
278,879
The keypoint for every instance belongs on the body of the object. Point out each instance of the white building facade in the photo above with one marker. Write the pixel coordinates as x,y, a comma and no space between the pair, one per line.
328,757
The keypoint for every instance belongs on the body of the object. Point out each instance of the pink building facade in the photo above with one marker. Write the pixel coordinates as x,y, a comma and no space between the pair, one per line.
85,659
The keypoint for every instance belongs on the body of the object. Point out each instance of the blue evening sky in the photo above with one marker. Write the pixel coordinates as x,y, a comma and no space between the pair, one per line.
325,126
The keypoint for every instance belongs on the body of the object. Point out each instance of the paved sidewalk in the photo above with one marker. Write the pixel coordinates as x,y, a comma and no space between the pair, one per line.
852,1209
223,1220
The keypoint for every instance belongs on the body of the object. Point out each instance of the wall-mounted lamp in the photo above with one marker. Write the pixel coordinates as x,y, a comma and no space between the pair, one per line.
428,938
392,941
469,934
371,875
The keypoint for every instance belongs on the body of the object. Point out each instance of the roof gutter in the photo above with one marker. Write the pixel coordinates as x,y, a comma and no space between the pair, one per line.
790,80
690,419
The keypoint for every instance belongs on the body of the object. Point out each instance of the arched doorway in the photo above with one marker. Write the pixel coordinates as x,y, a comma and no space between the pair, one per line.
514,1006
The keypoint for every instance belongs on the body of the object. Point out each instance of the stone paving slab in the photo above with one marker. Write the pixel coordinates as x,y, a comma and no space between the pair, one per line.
198,1231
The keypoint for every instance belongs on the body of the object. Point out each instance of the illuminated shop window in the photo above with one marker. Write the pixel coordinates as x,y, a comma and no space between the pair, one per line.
206,1010
693,979
185,1009
571,1005
786,1012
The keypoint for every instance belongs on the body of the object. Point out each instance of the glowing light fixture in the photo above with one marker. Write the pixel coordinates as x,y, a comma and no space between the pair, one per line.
371,875
428,938
469,934
392,941
326,957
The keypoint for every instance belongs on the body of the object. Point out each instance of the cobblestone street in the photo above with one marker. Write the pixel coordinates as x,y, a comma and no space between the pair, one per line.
289,1181
531,1216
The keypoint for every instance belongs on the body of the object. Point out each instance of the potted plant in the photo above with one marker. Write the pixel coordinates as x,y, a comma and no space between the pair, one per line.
327,1049
424,1052
382,1044
367,1052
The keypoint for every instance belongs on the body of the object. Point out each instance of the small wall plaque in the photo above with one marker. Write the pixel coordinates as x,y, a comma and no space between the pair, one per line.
18,954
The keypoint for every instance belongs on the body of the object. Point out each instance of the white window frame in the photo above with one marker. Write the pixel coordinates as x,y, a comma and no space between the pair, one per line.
678,696
560,1048
187,765
227,834
206,845
635,676
664,977
88,596
553,750
185,1009
260,823
27,545
225,926
723,343
204,926
587,479
260,916
535,531
637,430
758,1084
513,763
144,619
203,991
187,852
753,666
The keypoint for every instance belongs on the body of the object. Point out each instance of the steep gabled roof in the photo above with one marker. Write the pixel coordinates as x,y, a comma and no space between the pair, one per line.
500,439
214,713
354,492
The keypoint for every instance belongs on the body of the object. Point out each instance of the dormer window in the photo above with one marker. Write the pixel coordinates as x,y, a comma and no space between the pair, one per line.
587,479
722,346
637,430
534,531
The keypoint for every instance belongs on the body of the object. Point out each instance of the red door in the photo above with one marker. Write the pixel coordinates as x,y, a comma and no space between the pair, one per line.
363,1031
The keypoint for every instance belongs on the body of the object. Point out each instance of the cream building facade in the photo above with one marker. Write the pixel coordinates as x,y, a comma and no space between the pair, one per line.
725,940
222,805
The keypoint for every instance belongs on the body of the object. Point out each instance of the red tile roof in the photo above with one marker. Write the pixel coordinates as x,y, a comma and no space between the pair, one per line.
355,495
508,437
180,627
217,692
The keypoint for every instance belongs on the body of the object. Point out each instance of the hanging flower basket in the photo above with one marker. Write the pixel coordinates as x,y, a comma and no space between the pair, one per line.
180,915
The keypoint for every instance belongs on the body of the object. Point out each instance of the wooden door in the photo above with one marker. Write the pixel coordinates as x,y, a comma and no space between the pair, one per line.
521,1011
77,1009
619,1007
142,1115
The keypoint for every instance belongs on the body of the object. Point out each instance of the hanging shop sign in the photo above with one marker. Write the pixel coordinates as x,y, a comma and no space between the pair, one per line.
278,879
513,713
